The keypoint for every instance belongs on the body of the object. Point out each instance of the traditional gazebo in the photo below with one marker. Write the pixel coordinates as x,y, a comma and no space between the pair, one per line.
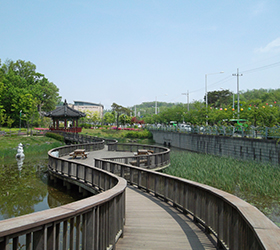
65,114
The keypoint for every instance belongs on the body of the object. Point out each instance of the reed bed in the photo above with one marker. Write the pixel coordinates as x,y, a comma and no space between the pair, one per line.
255,182
238,177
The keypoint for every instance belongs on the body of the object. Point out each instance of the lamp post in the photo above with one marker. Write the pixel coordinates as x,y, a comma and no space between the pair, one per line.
20,120
206,93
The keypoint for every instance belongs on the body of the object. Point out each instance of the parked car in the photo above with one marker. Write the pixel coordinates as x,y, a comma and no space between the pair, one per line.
185,128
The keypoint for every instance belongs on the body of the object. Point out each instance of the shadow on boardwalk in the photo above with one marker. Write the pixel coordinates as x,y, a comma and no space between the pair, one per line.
153,224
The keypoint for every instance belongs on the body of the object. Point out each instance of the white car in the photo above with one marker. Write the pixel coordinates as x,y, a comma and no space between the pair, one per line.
185,127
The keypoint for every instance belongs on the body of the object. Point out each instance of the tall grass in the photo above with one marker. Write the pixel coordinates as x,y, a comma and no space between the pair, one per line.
255,182
241,178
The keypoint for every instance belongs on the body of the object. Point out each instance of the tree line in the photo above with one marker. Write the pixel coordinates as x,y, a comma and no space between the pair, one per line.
24,94
259,107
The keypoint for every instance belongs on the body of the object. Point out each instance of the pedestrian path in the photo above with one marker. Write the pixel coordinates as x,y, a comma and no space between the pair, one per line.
152,224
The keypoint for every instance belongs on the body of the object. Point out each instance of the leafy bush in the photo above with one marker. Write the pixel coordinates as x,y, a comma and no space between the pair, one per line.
144,134
85,125
55,136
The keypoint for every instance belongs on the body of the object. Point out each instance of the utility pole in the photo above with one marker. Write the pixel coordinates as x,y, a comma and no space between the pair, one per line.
237,75
188,101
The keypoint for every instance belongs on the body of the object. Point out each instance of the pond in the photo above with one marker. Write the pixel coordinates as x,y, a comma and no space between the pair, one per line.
25,187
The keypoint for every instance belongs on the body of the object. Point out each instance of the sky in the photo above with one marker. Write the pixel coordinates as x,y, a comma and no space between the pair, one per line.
134,51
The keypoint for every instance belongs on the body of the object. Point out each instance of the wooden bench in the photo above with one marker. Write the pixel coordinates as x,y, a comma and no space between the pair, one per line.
134,163
79,152
144,152
72,154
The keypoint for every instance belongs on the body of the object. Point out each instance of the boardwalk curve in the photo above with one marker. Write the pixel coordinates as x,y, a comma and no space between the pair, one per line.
152,223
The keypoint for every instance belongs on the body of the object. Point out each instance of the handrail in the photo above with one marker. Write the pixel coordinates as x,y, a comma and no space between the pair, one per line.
233,222
97,222
93,223
159,159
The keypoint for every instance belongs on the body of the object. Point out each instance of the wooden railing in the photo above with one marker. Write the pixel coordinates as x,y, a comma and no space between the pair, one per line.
92,223
233,222
160,158
69,130
97,222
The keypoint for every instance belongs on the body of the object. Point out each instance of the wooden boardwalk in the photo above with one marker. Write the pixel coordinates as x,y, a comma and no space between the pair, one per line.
151,223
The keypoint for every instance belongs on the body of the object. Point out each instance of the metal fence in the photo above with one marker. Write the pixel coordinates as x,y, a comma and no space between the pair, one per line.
249,132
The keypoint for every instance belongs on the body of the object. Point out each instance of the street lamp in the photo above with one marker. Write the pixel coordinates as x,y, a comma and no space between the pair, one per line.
206,93
156,111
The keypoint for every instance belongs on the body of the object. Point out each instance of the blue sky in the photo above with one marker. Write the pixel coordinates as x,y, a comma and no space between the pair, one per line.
129,52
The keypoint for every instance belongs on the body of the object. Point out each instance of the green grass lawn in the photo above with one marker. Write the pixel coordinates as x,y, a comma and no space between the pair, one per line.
32,145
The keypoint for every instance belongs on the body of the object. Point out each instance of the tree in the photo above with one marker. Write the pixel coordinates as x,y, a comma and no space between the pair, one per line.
219,98
118,109
25,104
108,118
22,88
46,93
91,117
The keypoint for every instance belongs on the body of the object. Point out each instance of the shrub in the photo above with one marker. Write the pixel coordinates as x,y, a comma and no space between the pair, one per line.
144,134
55,136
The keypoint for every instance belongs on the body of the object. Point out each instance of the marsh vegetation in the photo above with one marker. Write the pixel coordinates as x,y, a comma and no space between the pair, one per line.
255,182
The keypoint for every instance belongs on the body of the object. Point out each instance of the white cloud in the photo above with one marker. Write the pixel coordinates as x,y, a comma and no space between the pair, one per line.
272,46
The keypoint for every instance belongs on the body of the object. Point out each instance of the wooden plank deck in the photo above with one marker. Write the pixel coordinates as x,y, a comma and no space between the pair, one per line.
153,224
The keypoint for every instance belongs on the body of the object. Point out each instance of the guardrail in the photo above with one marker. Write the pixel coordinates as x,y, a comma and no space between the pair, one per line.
233,222
159,159
92,223
249,132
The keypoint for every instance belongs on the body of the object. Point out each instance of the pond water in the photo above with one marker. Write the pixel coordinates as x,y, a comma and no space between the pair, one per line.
25,188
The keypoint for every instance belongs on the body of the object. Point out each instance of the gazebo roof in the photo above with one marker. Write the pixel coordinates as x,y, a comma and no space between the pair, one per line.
65,111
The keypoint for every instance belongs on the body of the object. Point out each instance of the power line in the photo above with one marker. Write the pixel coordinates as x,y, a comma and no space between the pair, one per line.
261,68
228,78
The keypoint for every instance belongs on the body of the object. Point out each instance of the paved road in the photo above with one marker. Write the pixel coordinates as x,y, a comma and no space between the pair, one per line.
152,224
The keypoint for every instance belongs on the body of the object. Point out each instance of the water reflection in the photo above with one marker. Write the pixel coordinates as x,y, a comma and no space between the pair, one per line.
19,164
24,188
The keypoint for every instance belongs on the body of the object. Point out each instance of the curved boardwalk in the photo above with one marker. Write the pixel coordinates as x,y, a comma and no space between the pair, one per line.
153,224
